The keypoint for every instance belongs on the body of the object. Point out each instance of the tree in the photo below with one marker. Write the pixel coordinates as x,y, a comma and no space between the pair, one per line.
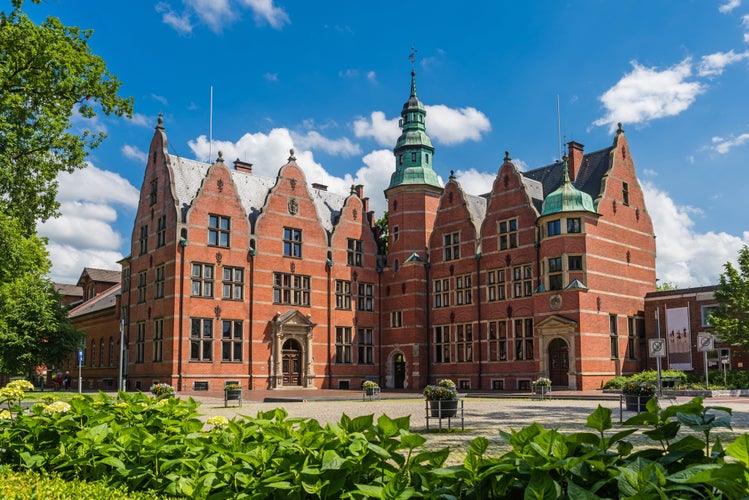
48,77
731,318
34,325
381,227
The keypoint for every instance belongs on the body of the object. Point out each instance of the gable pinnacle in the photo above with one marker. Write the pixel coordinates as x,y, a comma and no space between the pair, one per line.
160,122
619,129
412,58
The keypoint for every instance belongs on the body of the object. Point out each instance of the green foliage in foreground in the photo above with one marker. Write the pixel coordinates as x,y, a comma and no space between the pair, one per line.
142,443
25,485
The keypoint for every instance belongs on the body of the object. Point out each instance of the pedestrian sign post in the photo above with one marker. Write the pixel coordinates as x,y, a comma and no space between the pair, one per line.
705,342
657,348
80,363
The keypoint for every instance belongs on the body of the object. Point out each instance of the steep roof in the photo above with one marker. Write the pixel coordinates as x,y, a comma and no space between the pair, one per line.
104,300
69,290
587,179
100,275
252,189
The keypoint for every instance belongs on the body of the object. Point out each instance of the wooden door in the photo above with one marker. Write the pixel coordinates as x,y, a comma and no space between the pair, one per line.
292,363
399,371
559,363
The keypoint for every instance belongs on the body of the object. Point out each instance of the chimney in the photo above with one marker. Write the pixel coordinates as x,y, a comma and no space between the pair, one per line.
242,166
365,204
321,187
575,158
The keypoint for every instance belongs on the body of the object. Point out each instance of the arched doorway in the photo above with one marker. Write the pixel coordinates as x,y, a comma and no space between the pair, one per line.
559,362
399,371
291,361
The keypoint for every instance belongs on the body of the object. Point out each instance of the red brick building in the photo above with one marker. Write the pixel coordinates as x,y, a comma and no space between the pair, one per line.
276,282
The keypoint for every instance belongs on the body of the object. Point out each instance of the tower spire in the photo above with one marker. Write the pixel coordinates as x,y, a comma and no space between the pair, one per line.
412,58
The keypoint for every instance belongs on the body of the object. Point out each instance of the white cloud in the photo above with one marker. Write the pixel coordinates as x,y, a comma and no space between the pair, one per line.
729,6
685,257
647,94
214,13
722,146
83,235
474,182
372,76
179,22
713,64
271,77
163,100
650,172
265,11
454,126
134,153
385,132
142,120
314,140
445,125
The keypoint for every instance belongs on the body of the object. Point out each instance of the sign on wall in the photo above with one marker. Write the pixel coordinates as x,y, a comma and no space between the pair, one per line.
679,339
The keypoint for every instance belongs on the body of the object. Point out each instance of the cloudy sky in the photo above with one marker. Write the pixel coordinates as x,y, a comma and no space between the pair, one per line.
330,78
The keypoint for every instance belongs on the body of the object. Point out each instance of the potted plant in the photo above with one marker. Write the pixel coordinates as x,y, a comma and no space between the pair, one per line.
371,389
443,398
162,391
636,394
542,386
232,392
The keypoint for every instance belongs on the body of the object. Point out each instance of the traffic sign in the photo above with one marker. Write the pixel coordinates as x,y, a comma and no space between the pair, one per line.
705,342
80,355
657,348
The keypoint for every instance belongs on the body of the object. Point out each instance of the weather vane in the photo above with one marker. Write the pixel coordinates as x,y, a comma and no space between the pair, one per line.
412,57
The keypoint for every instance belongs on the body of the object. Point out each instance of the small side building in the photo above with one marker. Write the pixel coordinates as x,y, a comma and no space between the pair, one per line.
679,317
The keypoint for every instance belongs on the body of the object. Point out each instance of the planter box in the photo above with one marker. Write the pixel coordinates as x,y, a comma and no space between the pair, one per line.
541,392
232,395
443,408
636,403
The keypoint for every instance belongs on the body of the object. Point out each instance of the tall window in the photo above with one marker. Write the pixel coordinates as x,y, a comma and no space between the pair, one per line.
464,342
101,352
395,234
553,227
575,262
706,311
354,253
396,319
463,290
573,225
343,344
140,342
522,281
218,230
366,297
614,336
365,339
111,351
154,194
442,344
233,283
342,294
497,332
158,289
201,339
231,340
292,242
141,286
143,239
93,353
631,338
161,231
291,289
555,273
508,234
523,338
625,193
158,339
202,280
442,292
452,246
495,285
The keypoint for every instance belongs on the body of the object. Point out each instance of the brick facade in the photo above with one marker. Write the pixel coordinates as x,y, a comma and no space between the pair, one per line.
278,283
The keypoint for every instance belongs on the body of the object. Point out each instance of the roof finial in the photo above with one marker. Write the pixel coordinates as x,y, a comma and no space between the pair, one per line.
160,122
412,58
291,155
507,156
566,170
220,158
619,130
452,174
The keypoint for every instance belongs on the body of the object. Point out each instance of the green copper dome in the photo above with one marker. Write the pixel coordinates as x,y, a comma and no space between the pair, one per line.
567,198
413,150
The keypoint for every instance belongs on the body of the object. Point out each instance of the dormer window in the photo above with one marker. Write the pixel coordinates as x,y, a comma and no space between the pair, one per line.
90,291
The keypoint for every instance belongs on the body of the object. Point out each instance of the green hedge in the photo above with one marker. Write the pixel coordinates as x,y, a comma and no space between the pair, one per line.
143,444
30,485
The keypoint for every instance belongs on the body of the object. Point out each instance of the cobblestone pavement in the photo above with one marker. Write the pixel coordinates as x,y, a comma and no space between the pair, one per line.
483,416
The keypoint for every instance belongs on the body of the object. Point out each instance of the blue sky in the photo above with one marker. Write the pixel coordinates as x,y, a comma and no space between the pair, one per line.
329,78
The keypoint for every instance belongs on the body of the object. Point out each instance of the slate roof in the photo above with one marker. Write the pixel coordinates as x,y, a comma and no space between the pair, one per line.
252,189
587,178
69,290
101,275
681,291
477,208
103,300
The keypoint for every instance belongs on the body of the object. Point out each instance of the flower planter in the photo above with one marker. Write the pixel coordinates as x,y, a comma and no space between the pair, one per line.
542,391
233,395
443,408
636,403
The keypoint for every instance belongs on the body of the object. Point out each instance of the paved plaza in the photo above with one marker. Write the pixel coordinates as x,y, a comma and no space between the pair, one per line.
484,416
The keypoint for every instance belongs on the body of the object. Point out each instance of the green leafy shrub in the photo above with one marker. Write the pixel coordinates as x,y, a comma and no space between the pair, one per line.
650,376
30,485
